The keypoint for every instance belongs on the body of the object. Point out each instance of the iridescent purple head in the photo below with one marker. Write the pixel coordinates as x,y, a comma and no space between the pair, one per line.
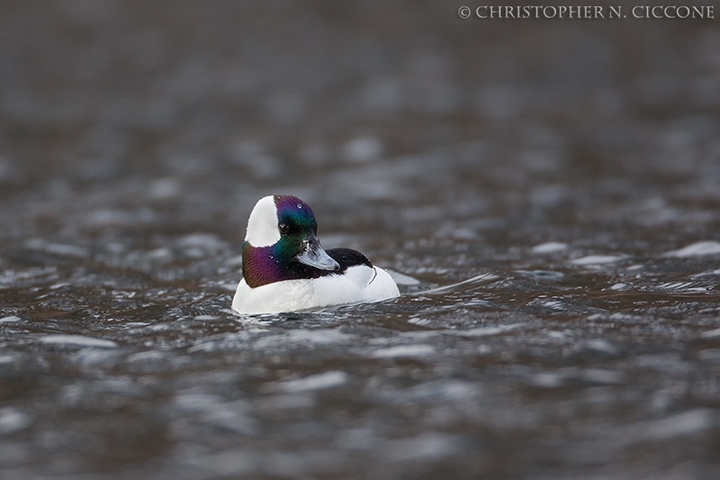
281,243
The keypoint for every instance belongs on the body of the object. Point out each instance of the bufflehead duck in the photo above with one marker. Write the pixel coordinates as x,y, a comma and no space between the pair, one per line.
285,269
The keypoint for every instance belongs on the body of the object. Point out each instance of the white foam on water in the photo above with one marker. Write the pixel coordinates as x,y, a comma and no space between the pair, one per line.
602,346
696,250
404,351
682,424
320,336
708,273
10,277
470,283
77,341
419,321
548,380
711,355
596,260
13,420
483,331
57,248
711,333
675,285
6,359
148,356
549,247
320,381
10,319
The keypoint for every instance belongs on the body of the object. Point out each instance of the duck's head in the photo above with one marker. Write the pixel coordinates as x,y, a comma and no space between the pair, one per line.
281,243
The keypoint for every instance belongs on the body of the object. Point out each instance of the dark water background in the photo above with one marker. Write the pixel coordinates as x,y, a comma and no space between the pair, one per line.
562,166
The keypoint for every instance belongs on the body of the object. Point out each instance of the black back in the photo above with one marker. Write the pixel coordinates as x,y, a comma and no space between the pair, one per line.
347,258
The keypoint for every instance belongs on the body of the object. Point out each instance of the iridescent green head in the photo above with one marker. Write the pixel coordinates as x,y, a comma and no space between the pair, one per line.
281,243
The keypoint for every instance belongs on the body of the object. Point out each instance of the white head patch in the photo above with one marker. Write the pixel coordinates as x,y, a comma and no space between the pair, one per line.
262,228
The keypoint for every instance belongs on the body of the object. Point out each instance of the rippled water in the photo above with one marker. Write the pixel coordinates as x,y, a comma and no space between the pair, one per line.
549,192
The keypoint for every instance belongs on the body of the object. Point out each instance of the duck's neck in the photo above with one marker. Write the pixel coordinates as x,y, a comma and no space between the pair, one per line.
266,265
259,265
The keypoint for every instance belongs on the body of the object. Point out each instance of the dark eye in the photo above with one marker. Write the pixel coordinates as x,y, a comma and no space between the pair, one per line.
284,228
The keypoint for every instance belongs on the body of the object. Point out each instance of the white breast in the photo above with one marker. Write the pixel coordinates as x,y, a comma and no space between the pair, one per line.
358,284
